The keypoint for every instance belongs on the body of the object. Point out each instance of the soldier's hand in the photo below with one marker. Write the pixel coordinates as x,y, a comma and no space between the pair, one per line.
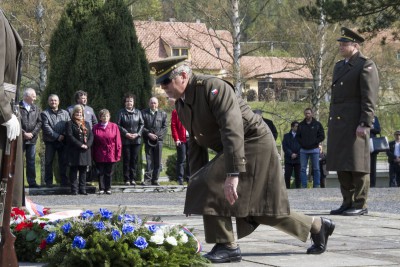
362,131
13,127
230,189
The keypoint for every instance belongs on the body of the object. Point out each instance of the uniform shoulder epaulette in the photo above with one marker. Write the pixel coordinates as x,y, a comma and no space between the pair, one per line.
200,82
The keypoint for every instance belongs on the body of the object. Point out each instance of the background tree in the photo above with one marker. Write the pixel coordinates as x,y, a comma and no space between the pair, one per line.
95,49
370,14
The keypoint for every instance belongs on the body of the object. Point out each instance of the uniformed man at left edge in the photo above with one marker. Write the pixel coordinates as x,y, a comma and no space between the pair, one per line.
244,180
10,51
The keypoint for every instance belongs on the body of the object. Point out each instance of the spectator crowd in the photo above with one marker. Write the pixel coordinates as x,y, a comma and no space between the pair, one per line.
90,147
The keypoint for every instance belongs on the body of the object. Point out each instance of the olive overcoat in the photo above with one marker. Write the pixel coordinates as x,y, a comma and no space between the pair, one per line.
354,93
218,120
10,51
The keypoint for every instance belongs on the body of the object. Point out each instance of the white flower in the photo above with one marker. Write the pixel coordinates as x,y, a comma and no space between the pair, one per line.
49,228
183,237
171,240
159,232
157,239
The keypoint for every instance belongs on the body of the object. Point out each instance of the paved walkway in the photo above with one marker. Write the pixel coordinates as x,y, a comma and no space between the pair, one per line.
370,240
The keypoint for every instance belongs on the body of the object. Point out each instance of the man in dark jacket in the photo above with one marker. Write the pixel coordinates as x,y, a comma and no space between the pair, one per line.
244,179
31,123
310,134
155,128
270,124
53,126
394,160
374,131
291,147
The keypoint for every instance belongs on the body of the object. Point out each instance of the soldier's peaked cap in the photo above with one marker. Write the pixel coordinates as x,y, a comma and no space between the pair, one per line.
162,68
348,35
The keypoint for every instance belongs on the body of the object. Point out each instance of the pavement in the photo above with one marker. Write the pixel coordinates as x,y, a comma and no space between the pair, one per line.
369,240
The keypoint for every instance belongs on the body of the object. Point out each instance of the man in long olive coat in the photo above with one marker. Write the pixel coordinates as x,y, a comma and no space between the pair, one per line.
244,180
10,51
355,87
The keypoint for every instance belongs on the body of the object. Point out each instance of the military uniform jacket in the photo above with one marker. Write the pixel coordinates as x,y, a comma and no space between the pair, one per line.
354,93
10,51
218,120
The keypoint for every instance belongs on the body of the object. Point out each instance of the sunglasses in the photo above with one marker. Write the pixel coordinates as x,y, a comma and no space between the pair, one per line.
166,81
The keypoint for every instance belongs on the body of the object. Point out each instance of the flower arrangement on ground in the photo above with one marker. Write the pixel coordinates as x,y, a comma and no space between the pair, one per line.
105,238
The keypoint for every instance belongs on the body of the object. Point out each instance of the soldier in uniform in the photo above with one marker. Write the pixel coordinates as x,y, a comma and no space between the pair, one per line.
354,93
244,180
10,51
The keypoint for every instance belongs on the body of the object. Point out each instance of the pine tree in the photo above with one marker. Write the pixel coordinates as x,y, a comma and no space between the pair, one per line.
95,49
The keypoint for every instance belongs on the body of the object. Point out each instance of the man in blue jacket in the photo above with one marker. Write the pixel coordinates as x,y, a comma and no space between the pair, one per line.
310,134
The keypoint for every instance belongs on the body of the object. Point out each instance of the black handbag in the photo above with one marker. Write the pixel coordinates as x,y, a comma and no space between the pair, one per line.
378,144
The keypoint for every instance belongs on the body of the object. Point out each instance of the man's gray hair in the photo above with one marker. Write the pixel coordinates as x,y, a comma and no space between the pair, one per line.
28,91
183,68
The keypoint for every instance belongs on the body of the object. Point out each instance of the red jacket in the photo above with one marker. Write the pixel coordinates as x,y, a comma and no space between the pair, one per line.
106,143
177,130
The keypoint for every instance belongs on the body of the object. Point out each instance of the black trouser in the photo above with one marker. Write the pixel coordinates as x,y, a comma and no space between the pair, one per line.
394,174
51,149
153,162
372,178
75,180
289,168
181,162
30,153
130,157
106,170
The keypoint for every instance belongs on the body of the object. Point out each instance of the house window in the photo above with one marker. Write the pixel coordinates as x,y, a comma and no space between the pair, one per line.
180,52
175,52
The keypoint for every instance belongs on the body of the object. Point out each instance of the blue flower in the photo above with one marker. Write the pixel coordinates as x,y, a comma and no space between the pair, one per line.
51,238
66,228
127,228
105,213
153,228
87,214
115,234
126,218
99,226
78,242
141,243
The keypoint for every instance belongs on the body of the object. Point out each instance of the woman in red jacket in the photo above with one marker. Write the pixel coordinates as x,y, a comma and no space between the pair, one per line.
106,149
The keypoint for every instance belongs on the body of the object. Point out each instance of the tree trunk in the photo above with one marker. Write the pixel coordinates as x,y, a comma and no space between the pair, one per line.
236,47
42,52
316,92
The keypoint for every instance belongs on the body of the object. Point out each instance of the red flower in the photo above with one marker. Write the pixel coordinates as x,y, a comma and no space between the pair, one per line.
42,225
21,226
43,244
16,211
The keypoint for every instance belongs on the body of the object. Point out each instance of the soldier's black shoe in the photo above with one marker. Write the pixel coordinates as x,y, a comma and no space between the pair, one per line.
155,183
34,186
355,212
221,253
320,240
340,210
